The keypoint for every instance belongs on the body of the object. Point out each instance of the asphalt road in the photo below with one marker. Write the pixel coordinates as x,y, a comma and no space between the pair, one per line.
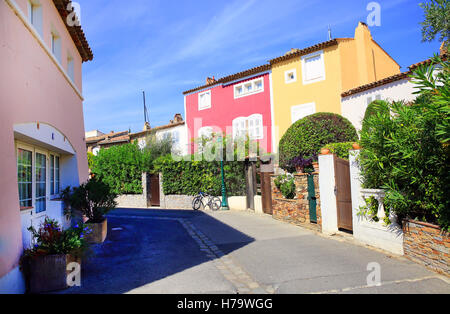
174,252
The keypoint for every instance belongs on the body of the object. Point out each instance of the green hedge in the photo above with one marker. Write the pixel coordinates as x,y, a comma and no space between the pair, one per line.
120,167
192,177
406,151
342,150
307,136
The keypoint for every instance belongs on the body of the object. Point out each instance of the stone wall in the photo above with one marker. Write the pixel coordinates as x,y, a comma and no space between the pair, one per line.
426,244
296,211
134,200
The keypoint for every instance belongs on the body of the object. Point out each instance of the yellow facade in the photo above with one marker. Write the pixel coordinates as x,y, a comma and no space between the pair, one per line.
348,63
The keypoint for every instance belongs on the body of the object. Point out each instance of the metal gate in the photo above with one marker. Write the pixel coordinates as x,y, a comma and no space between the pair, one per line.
312,199
343,194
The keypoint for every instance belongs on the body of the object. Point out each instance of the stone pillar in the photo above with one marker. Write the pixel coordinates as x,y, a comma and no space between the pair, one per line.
327,184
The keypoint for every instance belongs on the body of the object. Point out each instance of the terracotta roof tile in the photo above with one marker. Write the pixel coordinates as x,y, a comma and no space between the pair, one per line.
301,52
76,32
382,82
232,77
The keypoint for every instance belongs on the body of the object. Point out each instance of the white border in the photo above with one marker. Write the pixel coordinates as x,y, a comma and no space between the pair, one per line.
322,60
286,78
210,100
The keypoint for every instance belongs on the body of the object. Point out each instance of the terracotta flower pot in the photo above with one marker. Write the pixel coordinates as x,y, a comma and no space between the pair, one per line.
300,169
98,233
49,273
316,166
325,151
356,146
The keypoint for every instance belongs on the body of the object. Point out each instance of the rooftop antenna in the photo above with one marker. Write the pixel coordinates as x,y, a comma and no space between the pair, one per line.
145,110
330,37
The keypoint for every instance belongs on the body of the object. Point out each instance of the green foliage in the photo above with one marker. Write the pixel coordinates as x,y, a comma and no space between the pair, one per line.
286,184
91,160
191,177
307,136
371,110
50,239
405,150
154,149
120,167
94,200
436,22
342,150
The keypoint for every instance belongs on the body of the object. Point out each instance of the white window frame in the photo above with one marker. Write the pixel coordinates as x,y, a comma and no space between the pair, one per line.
287,78
34,150
202,106
302,107
70,67
304,59
249,130
31,150
253,84
55,184
35,15
56,45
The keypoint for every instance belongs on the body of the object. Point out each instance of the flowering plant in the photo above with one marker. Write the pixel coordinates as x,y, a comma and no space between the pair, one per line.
302,162
286,184
50,239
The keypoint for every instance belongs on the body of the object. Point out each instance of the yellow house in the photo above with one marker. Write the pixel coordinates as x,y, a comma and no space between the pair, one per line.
312,80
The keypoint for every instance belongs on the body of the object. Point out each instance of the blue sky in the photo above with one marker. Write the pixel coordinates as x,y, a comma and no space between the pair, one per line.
167,47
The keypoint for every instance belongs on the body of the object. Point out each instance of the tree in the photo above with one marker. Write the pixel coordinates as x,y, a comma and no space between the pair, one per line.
437,13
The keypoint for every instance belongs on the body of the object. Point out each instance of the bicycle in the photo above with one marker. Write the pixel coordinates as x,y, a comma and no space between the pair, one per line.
202,200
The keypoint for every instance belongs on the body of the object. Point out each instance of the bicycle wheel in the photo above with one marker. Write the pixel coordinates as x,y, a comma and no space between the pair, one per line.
194,199
197,203
215,204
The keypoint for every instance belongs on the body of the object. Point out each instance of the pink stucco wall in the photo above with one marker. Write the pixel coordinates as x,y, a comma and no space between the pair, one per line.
225,108
32,89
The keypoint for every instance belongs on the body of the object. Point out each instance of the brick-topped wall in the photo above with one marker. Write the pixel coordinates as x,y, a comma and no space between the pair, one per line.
296,211
428,245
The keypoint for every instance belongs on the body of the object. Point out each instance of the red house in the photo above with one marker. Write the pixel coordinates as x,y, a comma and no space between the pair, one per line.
237,104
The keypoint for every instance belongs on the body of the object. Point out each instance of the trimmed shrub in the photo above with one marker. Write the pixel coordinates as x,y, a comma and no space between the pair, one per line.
307,136
192,177
340,149
120,167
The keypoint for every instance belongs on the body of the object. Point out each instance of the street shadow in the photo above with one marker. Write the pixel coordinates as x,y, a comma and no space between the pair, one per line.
144,246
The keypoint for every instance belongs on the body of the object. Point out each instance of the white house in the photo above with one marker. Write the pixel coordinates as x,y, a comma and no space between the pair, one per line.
398,87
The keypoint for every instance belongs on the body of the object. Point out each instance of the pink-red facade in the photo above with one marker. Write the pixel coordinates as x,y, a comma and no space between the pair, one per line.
226,107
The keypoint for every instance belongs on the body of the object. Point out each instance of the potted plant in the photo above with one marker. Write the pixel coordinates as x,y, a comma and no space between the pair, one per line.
286,184
300,163
94,200
45,265
325,151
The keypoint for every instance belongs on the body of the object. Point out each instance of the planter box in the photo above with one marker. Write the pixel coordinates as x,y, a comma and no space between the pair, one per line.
99,232
49,273
428,245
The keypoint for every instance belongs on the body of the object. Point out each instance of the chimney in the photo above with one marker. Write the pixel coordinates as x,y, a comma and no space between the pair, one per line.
210,81
146,126
364,54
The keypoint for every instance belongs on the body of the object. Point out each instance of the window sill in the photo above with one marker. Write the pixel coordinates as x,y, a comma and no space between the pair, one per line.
23,209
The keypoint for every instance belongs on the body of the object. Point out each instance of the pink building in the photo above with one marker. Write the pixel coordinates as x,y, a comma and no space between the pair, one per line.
238,104
41,122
